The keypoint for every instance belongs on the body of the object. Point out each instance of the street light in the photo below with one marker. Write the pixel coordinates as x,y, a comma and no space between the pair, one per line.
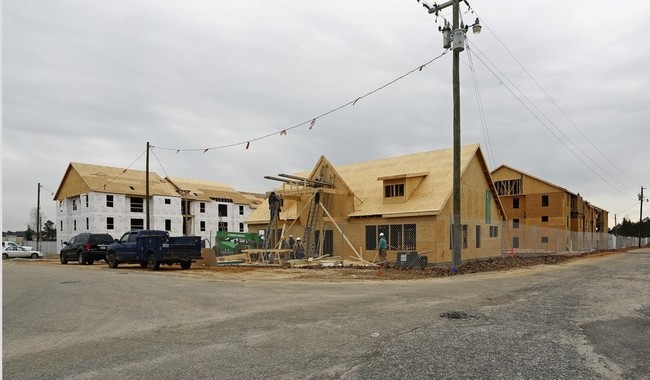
453,36
476,27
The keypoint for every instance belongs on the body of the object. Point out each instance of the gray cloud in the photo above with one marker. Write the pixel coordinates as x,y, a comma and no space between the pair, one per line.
94,81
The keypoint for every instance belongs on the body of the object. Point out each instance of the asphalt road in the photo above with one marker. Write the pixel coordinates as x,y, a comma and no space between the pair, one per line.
588,319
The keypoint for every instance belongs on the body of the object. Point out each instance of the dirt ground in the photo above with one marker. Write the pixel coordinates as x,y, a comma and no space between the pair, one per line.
391,272
347,273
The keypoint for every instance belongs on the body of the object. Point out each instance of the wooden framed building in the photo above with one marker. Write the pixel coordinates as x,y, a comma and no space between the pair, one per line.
341,210
544,217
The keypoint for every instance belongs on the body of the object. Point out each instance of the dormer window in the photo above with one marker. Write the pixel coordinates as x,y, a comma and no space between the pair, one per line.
394,190
398,188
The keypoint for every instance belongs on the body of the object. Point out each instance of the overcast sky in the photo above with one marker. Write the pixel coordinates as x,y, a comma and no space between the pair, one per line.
564,88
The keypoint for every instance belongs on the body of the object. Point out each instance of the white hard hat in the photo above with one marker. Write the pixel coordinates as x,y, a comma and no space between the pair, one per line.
297,238
381,234
290,235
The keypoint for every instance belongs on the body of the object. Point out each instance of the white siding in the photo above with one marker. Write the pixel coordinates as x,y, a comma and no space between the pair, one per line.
98,212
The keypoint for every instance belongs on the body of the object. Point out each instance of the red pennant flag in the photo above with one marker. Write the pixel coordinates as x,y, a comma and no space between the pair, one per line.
421,67
355,102
206,149
284,132
312,124
248,143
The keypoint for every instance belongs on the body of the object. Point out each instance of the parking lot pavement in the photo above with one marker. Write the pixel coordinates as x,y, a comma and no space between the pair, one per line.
584,319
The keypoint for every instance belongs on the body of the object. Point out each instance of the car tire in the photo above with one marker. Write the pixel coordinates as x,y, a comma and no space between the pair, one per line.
143,264
186,264
64,260
34,255
152,263
111,260
82,258
5,256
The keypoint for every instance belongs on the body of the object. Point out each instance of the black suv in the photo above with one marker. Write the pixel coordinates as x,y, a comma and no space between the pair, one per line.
86,248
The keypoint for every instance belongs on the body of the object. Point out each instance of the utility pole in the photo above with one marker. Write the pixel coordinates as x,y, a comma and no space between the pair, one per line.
456,253
641,215
147,186
38,218
454,38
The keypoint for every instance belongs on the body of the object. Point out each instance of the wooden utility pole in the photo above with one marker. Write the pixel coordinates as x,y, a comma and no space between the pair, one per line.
641,216
146,198
456,246
38,218
454,37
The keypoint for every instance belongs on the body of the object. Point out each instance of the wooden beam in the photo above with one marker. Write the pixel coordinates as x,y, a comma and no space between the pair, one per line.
283,180
312,182
341,231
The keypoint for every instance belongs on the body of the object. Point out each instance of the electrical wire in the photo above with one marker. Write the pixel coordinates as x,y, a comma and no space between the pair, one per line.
553,124
309,122
123,171
627,209
43,187
558,107
479,103
544,124
159,163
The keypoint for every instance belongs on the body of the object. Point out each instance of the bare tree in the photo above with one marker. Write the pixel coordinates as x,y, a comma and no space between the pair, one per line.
34,220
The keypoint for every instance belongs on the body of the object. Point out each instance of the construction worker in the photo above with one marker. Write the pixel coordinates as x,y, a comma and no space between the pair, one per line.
299,249
274,205
382,247
291,242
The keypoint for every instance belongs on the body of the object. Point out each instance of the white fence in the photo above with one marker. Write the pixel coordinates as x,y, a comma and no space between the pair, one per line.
47,247
620,242
525,239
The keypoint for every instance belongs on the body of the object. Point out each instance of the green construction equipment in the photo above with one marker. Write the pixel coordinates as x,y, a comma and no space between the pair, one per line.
233,243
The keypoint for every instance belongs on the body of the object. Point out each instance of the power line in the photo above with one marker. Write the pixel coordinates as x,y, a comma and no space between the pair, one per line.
309,122
43,187
542,122
555,126
159,163
627,209
123,171
479,102
560,109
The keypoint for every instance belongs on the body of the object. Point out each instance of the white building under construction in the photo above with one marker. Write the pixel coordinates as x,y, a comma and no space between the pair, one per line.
103,199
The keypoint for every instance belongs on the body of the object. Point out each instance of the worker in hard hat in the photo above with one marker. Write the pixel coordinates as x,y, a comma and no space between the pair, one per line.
299,251
291,242
382,247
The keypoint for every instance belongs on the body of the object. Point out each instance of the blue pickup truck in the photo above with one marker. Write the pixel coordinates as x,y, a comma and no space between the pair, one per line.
150,248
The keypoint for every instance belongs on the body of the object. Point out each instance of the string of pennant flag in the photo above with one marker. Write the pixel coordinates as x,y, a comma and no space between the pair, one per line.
311,122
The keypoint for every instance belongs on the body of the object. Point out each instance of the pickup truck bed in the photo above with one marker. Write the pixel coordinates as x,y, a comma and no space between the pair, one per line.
151,248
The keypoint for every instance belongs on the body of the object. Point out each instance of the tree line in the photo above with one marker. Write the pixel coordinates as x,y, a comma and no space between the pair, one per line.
631,229
48,232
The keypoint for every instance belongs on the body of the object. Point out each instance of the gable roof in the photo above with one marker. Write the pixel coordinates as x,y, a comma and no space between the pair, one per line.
81,178
502,167
206,190
430,173
435,189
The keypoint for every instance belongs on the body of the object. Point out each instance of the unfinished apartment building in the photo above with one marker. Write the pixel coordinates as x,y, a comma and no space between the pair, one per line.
543,217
